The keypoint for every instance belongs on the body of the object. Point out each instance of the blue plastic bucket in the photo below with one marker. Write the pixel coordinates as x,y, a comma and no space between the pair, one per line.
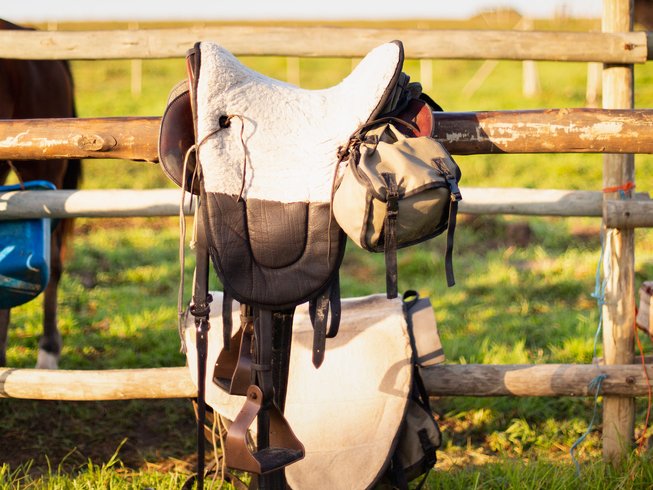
24,253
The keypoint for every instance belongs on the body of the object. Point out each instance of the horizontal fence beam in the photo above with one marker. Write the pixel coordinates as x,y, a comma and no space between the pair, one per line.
628,214
530,202
131,138
546,131
110,384
463,133
113,203
477,380
628,47
108,203
535,380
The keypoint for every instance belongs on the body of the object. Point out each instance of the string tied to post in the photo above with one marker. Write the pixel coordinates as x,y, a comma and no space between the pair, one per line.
595,385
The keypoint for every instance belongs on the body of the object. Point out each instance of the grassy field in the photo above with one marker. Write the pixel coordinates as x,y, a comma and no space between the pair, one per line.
524,295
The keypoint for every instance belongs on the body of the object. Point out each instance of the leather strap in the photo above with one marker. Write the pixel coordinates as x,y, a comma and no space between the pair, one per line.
227,321
456,196
334,306
233,368
325,310
448,256
390,234
201,298
281,345
200,309
318,309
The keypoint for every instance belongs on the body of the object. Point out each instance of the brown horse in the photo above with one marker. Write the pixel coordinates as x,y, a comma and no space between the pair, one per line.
40,89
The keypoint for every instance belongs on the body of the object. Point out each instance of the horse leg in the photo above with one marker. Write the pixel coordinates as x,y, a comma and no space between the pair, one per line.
4,328
50,343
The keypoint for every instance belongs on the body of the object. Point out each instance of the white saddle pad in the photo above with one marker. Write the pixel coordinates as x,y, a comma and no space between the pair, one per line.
291,135
347,412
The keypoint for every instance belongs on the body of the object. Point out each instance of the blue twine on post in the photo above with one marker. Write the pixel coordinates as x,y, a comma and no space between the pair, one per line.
599,293
594,384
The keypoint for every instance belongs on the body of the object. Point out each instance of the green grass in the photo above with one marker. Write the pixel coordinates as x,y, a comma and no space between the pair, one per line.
514,302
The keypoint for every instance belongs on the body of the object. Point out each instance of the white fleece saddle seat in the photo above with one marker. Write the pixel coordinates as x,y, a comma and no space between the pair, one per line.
290,135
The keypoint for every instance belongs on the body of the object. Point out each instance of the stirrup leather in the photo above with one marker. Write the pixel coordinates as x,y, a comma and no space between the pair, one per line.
233,367
284,447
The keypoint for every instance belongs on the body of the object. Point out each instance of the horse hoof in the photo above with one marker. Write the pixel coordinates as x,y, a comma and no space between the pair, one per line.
47,360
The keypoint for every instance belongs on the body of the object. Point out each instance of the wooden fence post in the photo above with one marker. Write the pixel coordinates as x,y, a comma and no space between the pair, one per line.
530,77
594,84
619,301
136,69
293,71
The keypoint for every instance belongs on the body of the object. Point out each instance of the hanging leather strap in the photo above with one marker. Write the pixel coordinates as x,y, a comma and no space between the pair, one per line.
200,309
325,310
227,321
448,255
390,234
281,344
335,308
233,368
456,197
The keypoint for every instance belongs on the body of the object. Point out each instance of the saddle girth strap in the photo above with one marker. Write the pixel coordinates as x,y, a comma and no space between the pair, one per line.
281,345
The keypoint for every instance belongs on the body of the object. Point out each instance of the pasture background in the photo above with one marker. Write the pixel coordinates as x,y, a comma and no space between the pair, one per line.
524,295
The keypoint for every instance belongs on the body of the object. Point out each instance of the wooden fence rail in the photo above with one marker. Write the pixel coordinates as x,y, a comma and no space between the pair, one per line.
463,133
636,213
165,202
553,380
626,47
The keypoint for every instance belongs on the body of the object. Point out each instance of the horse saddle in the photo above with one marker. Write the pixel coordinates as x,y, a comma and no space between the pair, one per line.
262,155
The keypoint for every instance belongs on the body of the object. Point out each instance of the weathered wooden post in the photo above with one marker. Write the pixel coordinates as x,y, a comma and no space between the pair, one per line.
619,303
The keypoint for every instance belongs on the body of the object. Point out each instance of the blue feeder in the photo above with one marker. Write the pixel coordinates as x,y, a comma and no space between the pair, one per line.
24,253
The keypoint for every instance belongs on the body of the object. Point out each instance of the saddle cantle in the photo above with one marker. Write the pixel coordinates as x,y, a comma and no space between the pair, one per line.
262,155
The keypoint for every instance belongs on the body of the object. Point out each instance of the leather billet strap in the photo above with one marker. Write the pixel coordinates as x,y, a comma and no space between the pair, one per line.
200,309
281,344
